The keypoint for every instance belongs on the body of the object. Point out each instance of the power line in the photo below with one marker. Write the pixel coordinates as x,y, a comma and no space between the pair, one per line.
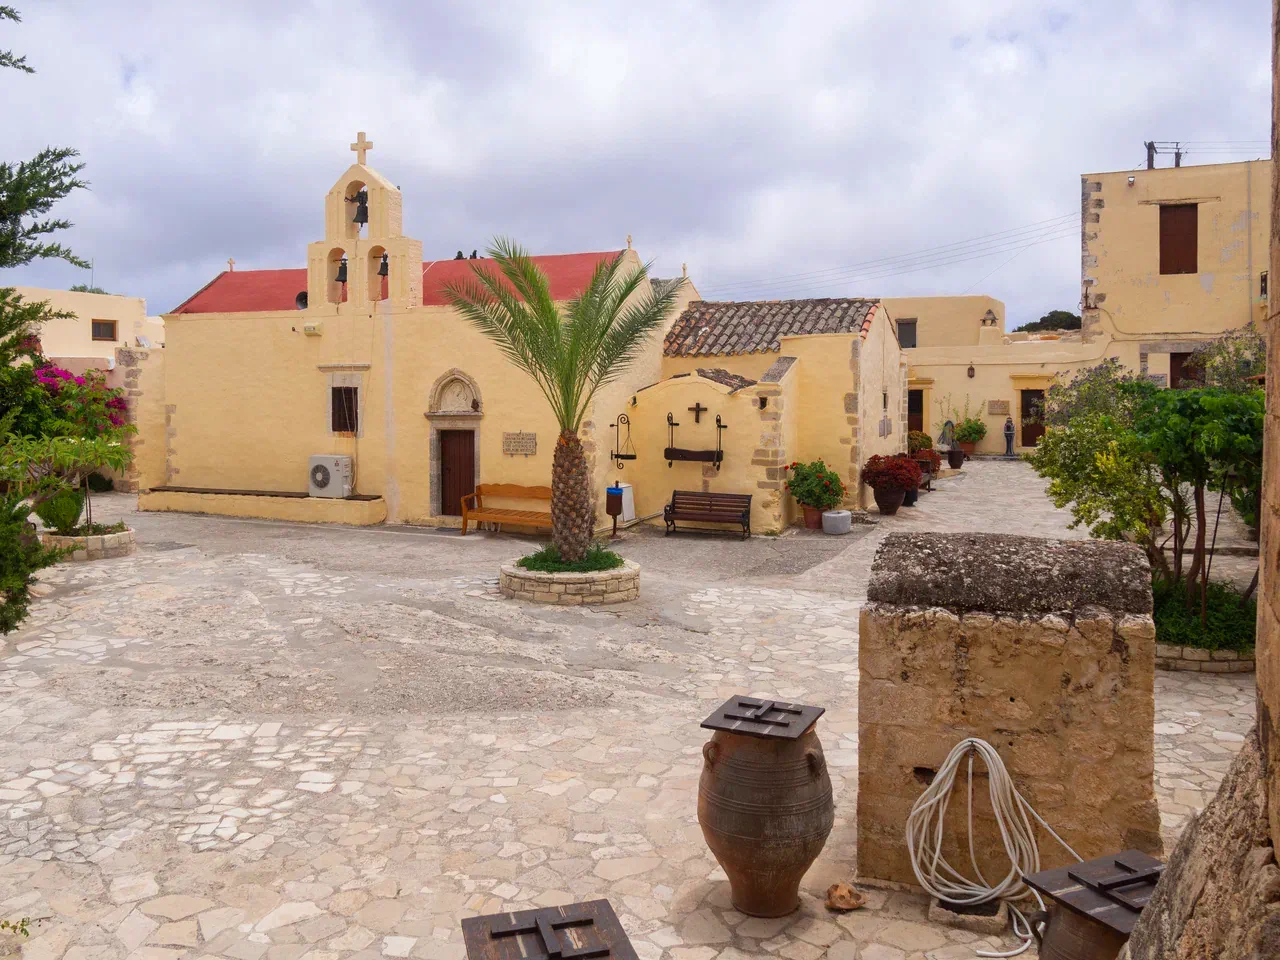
909,264
988,244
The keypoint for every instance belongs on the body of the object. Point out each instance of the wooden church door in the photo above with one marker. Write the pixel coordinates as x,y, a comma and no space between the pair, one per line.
457,469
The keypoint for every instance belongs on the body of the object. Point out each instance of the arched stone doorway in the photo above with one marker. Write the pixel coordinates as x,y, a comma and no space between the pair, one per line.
454,410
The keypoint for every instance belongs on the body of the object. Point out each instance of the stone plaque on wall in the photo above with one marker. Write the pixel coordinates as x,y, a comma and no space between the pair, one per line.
1159,379
520,444
997,408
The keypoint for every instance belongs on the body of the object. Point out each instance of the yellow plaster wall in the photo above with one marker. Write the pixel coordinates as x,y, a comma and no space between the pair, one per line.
752,365
73,337
1125,294
880,371
945,321
825,374
653,480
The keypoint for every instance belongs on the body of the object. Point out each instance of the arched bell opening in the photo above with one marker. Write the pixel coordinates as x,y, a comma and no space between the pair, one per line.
378,267
336,276
356,218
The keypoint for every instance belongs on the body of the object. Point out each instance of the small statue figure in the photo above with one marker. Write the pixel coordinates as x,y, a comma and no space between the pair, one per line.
1008,436
947,439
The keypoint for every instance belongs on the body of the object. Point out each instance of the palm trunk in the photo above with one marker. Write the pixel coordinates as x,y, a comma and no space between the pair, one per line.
573,514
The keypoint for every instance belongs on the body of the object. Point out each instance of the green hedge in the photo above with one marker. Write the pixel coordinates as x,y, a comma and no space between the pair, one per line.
1232,623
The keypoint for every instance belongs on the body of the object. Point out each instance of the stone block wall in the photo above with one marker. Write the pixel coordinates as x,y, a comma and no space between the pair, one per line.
1045,649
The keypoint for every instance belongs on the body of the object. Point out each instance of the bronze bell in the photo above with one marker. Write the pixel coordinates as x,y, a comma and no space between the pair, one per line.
361,200
342,271
382,267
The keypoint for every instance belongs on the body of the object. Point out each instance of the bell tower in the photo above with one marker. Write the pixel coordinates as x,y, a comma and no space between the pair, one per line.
364,258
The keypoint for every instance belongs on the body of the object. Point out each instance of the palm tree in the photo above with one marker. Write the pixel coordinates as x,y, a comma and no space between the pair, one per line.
570,350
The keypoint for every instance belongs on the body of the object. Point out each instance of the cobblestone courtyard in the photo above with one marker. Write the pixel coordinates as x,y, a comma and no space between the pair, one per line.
262,740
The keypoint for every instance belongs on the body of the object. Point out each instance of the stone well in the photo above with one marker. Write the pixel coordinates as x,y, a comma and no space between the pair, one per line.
101,547
1043,648
571,589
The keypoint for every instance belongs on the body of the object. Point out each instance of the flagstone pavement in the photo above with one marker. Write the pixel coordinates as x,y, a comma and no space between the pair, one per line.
265,740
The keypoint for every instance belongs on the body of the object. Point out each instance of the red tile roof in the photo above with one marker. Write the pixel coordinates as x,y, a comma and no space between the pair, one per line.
256,291
727,328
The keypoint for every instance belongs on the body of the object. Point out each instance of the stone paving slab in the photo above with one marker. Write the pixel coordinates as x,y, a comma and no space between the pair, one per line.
259,740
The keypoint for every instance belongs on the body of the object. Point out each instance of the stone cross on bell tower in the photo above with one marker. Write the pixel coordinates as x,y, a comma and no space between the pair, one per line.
364,261
361,147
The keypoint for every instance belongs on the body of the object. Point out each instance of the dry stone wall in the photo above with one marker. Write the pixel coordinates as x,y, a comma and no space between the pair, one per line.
1045,649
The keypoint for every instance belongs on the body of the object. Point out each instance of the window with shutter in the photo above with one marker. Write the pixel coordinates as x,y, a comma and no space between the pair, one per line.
346,413
1179,223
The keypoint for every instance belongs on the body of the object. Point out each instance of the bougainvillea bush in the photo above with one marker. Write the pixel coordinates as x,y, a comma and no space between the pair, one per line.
84,402
815,485
898,472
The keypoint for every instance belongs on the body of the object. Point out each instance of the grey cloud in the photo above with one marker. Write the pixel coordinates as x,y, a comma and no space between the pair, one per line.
752,141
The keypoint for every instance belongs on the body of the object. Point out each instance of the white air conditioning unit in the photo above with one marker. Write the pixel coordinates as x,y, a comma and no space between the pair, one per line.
330,476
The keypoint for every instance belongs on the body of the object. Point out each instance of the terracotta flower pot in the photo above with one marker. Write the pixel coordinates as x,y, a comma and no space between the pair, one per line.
955,458
968,448
889,500
812,517
910,496
765,808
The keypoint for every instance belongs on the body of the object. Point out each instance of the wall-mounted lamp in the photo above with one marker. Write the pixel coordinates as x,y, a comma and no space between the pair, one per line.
971,371
1132,181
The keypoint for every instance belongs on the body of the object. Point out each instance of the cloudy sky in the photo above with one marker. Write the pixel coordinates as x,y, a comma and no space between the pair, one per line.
842,148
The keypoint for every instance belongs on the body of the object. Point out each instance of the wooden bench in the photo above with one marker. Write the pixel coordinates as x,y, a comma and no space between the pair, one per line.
477,512
708,508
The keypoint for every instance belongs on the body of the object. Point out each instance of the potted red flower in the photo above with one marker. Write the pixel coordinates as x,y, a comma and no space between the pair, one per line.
816,488
930,462
889,479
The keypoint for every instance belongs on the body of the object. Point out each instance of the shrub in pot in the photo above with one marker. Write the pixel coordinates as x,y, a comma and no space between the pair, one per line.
889,479
61,512
930,462
969,433
816,488
918,440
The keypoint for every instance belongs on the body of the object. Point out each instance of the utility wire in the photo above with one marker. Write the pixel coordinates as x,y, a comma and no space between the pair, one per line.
908,265
993,241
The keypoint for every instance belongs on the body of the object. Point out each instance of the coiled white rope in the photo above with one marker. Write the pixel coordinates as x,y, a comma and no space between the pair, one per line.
940,878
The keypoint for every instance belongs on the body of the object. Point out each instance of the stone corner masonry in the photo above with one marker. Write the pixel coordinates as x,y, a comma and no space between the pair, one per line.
571,589
1043,648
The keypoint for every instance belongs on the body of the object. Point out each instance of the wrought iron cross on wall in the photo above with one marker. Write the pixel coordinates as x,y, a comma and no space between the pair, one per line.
698,410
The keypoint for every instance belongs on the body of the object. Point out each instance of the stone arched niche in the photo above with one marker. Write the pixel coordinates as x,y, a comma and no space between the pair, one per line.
454,393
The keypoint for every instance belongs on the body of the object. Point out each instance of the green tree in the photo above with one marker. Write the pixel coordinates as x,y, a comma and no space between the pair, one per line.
85,288
569,350
28,191
1053,320
1231,361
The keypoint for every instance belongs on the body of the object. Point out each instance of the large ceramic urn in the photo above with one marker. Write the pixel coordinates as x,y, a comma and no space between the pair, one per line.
764,800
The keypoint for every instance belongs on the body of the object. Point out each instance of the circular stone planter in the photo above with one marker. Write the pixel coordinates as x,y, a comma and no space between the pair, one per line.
571,589
1169,657
101,547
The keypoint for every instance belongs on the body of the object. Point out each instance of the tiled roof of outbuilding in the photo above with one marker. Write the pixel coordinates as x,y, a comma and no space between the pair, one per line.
708,328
